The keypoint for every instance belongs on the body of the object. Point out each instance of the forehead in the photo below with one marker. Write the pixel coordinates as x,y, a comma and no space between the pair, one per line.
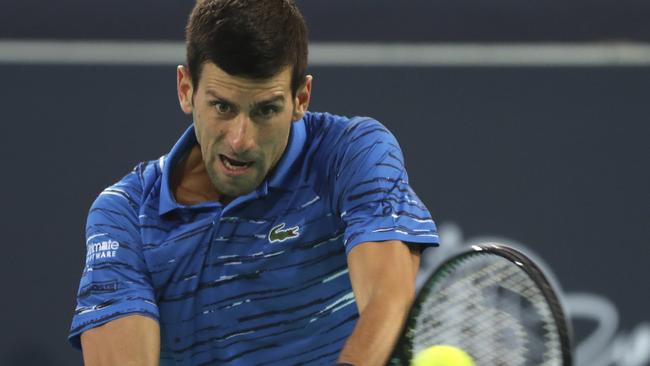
214,78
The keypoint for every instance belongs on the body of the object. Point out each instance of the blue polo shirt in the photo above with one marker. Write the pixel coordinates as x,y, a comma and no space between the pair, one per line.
262,280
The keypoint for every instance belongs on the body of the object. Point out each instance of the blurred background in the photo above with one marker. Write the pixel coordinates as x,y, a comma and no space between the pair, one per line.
522,121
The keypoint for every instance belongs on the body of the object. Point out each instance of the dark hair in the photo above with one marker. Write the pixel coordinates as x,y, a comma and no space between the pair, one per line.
253,38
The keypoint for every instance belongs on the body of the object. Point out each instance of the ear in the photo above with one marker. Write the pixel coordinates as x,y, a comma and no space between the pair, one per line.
303,95
184,88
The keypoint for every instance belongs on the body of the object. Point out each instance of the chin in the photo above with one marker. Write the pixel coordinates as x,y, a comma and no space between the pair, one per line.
233,191
234,188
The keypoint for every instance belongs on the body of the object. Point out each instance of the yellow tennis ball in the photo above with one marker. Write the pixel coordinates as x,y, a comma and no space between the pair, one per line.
442,355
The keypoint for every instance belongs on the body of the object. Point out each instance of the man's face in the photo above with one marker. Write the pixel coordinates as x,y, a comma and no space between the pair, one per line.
242,125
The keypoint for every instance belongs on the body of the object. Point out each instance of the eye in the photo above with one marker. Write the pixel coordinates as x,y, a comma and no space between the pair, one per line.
223,108
268,110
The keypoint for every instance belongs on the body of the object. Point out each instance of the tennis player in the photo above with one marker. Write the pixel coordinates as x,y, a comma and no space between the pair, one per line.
268,235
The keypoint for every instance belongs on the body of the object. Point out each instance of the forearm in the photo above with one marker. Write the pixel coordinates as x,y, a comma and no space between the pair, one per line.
129,341
376,332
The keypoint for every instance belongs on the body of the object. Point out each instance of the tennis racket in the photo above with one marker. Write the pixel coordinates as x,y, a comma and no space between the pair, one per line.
495,304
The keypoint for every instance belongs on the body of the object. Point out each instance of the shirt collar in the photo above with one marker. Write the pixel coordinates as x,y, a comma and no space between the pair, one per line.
283,171
278,179
183,145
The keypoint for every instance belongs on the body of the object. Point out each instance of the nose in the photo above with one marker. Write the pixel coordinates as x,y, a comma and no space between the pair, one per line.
241,134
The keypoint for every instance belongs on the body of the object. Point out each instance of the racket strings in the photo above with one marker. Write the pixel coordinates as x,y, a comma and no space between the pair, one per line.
492,309
464,318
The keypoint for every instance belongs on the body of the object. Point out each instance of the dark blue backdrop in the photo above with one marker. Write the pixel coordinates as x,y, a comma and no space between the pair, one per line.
348,20
554,157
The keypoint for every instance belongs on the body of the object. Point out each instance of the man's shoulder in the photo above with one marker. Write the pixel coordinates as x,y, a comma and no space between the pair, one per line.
337,131
335,142
131,192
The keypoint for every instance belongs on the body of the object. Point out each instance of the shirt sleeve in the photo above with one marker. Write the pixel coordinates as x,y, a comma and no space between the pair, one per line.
115,281
374,198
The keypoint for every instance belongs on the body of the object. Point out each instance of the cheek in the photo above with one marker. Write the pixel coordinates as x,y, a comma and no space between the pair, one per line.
279,140
206,131
204,136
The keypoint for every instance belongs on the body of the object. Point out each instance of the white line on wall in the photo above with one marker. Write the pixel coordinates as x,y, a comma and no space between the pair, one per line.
341,54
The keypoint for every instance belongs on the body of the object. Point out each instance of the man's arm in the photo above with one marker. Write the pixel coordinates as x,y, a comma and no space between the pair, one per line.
128,341
383,281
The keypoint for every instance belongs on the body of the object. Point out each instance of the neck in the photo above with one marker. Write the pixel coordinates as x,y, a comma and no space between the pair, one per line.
190,182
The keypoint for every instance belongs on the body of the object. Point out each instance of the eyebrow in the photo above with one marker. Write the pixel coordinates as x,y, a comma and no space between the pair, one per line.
215,95
270,100
260,103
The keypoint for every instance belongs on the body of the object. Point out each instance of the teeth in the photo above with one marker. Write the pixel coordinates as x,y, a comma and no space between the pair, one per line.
229,165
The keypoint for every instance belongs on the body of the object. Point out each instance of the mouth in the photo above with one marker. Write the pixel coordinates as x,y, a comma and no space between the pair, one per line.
233,166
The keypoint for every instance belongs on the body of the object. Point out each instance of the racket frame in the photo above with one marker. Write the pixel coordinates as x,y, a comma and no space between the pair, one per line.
402,353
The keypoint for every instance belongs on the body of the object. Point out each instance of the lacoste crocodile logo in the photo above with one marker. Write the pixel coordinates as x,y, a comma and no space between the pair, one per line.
277,234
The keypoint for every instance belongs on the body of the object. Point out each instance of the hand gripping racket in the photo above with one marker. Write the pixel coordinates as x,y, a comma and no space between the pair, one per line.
495,304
